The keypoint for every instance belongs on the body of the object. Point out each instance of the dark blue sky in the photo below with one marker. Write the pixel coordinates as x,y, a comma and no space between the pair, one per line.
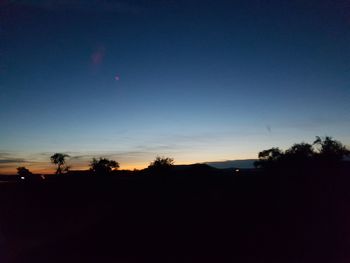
198,80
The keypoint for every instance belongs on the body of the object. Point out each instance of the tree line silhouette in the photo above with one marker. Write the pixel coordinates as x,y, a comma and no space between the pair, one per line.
323,152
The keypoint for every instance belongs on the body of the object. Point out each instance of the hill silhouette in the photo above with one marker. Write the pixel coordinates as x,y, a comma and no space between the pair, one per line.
243,164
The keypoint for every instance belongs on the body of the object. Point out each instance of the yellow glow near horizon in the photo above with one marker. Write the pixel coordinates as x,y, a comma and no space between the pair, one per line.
40,163
48,168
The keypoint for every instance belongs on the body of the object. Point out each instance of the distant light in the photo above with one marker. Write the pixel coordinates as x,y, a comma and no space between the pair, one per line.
237,170
22,178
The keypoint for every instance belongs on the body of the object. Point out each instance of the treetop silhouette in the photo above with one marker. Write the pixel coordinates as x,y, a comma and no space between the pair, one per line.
60,160
161,163
323,151
330,149
23,172
103,166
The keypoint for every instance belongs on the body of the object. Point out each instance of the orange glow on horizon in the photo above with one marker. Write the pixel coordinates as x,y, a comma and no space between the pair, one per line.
38,169
44,167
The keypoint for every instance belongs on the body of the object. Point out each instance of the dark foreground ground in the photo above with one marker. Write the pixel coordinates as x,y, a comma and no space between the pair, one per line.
194,218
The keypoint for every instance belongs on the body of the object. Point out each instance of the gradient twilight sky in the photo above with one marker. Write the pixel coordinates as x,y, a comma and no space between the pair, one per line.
194,80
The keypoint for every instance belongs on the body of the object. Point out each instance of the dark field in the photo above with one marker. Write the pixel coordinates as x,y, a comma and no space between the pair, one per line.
178,218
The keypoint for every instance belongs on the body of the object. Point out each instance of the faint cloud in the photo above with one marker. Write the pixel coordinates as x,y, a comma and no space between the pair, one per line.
10,160
7,158
317,122
3,154
146,148
98,55
110,155
79,157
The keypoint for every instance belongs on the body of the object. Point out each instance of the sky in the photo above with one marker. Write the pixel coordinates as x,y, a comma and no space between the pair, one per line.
194,80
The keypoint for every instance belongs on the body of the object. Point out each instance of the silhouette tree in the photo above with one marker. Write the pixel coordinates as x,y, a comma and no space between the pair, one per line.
24,173
330,149
161,165
59,160
299,157
299,152
268,157
103,166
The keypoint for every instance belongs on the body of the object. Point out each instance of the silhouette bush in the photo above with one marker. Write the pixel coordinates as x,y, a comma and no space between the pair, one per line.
103,166
161,165
24,173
